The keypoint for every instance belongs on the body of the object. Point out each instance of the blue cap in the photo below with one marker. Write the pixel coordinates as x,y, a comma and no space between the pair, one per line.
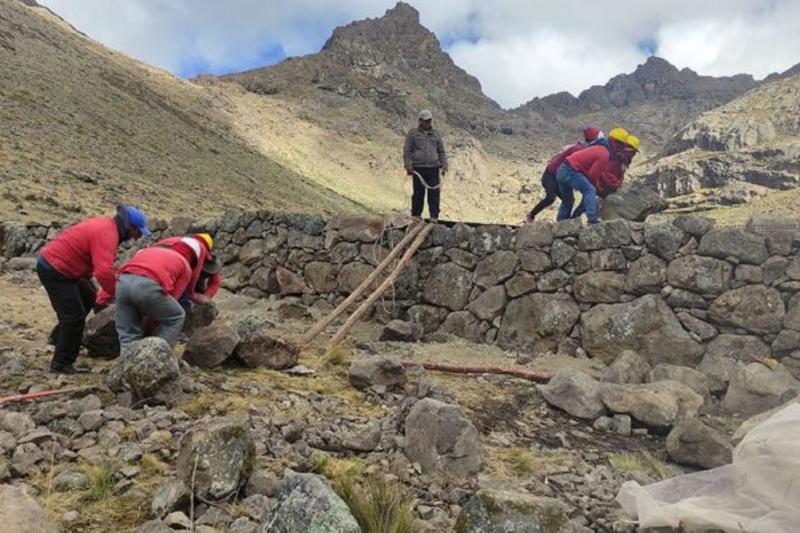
138,220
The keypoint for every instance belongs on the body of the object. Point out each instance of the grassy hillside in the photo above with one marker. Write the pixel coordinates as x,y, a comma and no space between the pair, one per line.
84,127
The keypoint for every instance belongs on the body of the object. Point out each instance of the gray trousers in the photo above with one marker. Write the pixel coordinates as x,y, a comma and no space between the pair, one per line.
139,298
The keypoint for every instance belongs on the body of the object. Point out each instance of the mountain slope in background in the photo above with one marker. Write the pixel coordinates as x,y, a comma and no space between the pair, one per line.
84,127
734,153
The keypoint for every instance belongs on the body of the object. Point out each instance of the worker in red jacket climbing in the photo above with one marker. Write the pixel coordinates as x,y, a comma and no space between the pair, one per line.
65,267
595,171
549,176
149,286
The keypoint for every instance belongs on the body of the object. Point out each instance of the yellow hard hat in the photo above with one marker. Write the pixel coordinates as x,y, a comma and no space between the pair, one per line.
633,142
206,238
619,134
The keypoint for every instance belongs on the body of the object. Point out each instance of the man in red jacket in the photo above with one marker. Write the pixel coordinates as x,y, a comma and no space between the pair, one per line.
549,176
65,267
149,286
595,171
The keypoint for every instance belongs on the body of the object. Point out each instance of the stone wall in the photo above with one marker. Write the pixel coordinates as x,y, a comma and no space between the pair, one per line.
672,289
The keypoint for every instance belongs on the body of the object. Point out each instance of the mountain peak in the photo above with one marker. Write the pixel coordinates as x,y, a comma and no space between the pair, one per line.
404,12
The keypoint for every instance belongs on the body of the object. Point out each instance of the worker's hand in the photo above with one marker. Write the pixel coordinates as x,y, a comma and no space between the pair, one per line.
530,218
409,171
202,299
444,170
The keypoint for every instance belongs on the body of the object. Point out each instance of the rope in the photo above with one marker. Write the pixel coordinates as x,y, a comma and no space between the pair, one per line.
458,210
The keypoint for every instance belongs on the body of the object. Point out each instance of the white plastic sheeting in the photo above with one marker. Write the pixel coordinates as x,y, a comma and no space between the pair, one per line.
759,492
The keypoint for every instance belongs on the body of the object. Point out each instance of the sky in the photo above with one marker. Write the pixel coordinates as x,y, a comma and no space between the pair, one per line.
518,49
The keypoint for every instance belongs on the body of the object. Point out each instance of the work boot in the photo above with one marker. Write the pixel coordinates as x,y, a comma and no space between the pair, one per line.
59,368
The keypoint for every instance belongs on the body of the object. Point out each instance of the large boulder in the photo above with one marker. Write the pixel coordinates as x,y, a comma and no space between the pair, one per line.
149,370
352,275
306,502
210,346
496,268
465,325
321,276
628,368
599,287
490,303
658,404
632,202
534,235
662,237
100,334
216,458
537,317
609,234
261,349
289,282
755,308
646,325
377,371
576,393
493,511
694,379
755,388
448,285
692,443
792,318
646,275
401,331
199,316
694,225
441,439
742,348
360,228
696,273
20,513
171,496
718,371
728,242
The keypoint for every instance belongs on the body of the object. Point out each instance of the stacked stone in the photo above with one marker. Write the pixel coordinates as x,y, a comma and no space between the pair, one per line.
675,290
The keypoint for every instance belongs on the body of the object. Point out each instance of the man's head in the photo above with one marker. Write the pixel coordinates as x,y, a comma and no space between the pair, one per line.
591,134
134,220
425,120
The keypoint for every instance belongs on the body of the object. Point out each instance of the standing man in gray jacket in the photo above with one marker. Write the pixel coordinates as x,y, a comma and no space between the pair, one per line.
424,154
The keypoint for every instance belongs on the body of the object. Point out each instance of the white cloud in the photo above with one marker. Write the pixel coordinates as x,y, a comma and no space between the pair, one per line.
517,48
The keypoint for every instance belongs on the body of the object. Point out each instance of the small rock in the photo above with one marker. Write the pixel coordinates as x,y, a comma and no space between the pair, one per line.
91,420
171,496
70,481
492,511
149,371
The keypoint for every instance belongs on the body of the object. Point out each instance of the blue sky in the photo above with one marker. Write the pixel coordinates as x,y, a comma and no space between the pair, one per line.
518,49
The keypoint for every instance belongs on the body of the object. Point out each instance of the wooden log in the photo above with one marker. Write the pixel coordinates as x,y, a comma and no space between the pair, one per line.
457,369
516,372
45,394
342,307
388,282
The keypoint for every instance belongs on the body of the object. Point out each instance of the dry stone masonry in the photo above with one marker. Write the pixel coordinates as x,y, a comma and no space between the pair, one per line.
676,291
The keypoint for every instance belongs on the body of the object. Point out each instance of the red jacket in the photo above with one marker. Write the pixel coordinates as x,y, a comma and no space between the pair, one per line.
164,266
600,167
198,267
213,285
86,249
553,164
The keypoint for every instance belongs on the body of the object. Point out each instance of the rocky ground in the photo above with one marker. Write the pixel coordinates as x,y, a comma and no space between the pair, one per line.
99,461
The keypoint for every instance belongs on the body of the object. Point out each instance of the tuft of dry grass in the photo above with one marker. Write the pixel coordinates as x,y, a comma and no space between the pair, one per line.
518,462
336,356
378,506
642,462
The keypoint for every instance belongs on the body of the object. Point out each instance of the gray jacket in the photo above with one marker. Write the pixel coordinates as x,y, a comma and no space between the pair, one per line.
424,149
